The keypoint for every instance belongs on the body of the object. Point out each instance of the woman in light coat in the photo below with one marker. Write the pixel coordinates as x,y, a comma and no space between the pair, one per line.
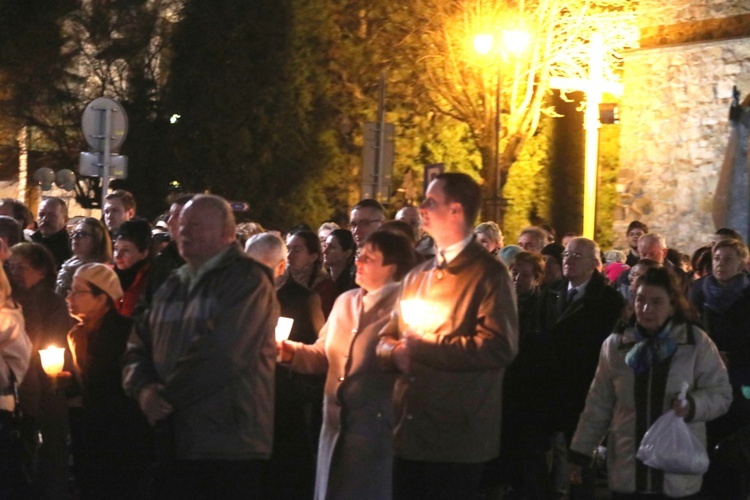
640,372
355,455
15,353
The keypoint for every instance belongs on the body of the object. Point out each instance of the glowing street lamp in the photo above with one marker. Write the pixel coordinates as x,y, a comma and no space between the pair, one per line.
515,42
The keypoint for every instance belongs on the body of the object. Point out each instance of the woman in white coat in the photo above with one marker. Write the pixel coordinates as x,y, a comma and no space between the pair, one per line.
15,353
355,455
640,373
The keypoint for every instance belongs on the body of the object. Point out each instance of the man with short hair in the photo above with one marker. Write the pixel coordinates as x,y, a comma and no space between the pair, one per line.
449,392
52,233
168,258
201,361
532,239
636,229
119,206
299,398
650,246
425,245
364,219
588,309
653,246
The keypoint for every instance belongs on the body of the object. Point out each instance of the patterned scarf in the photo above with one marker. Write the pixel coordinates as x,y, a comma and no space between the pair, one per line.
720,298
650,350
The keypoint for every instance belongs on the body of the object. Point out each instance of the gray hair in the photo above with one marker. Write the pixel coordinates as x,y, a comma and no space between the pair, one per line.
267,248
650,239
615,256
593,246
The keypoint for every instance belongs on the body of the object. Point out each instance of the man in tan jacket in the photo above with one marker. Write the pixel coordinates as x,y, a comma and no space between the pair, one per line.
452,358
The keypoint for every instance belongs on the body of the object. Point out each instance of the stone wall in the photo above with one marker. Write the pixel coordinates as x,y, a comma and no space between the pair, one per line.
675,131
674,115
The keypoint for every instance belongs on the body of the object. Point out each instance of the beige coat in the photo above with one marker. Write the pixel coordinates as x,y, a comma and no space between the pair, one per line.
15,352
614,407
355,455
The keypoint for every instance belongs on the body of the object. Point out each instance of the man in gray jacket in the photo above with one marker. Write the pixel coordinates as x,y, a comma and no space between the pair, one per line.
201,362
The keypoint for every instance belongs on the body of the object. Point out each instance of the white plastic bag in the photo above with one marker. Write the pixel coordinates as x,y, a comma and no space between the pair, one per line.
671,446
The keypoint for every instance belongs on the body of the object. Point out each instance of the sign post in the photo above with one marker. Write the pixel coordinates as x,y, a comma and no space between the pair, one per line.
105,126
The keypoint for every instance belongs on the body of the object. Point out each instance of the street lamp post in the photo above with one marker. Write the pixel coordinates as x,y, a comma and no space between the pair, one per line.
514,41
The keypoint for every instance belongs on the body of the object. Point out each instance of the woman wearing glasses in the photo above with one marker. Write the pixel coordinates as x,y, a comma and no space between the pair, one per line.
110,434
89,242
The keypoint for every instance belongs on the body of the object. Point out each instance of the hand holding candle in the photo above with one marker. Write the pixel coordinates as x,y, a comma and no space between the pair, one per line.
283,328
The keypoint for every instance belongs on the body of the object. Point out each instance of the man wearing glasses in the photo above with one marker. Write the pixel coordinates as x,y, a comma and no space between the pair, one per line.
588,310
365,218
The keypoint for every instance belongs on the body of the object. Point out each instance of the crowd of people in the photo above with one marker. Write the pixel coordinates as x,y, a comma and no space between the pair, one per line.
427,359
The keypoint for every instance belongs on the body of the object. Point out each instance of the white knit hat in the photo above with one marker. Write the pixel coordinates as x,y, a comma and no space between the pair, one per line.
102,277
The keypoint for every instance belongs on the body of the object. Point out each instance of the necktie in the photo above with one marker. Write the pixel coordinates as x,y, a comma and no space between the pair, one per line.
441,261
571,296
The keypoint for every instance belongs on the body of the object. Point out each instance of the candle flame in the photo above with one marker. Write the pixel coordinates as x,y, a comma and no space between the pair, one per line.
416,313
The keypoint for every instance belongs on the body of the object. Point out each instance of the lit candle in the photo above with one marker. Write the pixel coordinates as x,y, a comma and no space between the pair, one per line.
53,359
416,313
283,328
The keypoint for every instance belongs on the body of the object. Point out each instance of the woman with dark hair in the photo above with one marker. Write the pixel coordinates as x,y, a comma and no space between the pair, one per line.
640,372
47,322
306,267
89,242
355,455
701,262
110,442
723,301
132,263
528,384
338,257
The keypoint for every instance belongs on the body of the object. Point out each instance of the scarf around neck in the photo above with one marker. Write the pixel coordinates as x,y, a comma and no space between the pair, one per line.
720,298
650,350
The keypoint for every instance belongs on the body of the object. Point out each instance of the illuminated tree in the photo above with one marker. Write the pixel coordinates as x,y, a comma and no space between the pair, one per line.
462,84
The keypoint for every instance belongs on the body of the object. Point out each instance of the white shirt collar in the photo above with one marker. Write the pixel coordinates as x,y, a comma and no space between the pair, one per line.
371,298
451,252
580,289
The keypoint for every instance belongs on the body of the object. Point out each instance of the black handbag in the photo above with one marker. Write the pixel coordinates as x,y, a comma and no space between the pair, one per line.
20,440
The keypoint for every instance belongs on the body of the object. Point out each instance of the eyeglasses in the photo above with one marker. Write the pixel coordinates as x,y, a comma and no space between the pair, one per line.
363,223
80,234
574,255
